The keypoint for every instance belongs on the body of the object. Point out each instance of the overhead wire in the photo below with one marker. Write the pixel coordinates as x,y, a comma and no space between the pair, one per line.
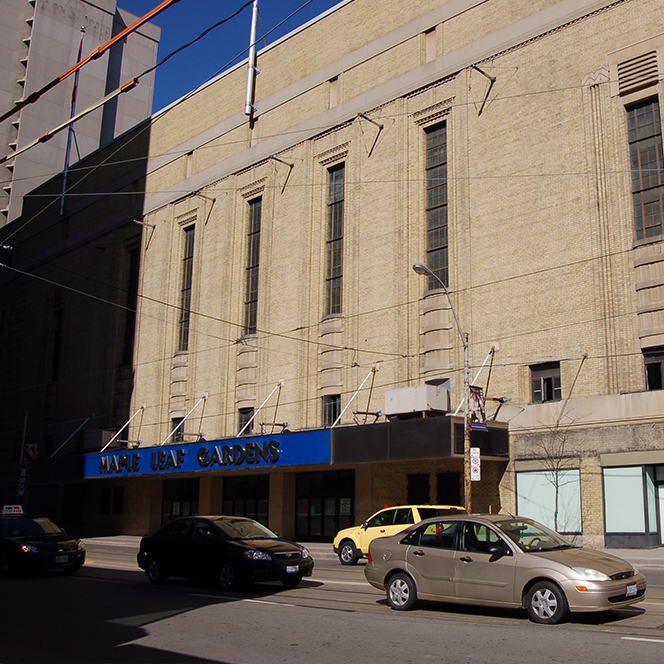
359,183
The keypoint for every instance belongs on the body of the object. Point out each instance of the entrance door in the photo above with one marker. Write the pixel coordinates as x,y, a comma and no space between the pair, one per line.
325,504
179,498
247,495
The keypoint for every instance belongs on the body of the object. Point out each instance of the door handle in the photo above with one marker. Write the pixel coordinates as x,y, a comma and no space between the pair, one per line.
466,559
418,553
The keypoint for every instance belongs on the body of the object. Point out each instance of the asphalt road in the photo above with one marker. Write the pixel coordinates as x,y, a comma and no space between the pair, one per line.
109,612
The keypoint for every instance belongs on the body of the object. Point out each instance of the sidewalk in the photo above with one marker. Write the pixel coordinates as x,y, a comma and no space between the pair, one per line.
645,558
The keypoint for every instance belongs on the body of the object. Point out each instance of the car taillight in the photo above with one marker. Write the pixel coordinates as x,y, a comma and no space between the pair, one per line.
369,558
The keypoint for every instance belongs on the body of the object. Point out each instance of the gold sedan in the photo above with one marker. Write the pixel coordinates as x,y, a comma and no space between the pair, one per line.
500,561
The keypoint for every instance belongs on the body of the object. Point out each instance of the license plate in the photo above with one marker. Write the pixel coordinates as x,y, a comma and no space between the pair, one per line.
292,569
59,560
631,590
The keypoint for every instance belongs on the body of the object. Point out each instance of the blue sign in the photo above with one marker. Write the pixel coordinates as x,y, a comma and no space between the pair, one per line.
294,449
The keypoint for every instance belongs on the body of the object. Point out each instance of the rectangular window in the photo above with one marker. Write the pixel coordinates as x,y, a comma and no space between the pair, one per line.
653,359
624,505
335,239
436,171
546,382
331,409
537,492
177,425
647,164
418,489
185,293
244,415
56,356
111,500
253,255
132,299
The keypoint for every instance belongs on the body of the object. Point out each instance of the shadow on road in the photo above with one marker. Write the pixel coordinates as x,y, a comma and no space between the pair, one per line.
94,617
595,618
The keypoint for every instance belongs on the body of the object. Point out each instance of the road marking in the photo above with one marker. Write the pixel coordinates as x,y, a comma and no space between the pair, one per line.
262,601
634,638
654,603
340,583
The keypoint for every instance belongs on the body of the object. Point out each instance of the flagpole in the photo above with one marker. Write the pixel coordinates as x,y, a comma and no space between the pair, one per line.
70,133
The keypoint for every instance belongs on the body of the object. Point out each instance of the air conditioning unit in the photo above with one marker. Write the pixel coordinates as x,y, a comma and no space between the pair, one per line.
420,399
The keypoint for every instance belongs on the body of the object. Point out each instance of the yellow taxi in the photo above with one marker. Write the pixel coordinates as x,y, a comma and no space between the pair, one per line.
351,544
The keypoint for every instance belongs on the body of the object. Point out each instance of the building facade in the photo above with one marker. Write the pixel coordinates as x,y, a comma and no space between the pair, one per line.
40,42
278,310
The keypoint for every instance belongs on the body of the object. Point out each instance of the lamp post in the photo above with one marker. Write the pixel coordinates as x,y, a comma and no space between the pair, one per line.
424,270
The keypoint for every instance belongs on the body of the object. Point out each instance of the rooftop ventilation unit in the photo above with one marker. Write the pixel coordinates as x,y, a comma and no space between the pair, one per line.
407,401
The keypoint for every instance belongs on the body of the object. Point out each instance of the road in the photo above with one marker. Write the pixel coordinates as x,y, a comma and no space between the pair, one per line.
109,612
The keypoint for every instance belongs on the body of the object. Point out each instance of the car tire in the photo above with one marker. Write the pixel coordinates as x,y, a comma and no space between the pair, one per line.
5,567
348,553
155,571
401,592
229,579
546,603
291,581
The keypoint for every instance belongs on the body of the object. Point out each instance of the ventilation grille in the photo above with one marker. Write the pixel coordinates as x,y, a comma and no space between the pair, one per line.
637,73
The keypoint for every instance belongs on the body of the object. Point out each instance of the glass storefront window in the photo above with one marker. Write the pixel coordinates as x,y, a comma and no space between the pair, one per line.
651,494
623,500
536,498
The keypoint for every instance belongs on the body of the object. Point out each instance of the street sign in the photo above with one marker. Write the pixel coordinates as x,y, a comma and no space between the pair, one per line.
475,463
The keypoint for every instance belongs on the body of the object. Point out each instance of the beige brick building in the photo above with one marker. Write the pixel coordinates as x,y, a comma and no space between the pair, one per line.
517,152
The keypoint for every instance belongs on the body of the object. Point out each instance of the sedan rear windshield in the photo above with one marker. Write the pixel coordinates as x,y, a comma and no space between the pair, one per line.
244,529
26,527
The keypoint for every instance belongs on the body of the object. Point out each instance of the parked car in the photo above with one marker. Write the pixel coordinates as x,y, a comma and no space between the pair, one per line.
500,561
35,543
351,544
233,550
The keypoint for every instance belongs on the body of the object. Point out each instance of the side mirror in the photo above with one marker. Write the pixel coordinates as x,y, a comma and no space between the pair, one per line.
365,525
497,552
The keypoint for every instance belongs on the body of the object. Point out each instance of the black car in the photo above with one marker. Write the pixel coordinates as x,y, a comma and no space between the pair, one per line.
33,544
231,549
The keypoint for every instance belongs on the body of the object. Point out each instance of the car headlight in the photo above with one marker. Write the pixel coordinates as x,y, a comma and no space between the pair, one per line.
80,546
252,554
590,574
26,548
304,553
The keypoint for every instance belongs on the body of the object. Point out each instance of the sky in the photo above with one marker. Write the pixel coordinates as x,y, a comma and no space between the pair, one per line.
223,46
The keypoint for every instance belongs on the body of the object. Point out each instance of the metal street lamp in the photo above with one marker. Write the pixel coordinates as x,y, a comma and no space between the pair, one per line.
424,270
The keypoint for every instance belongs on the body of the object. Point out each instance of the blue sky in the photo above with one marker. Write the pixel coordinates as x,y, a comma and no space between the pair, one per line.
222,47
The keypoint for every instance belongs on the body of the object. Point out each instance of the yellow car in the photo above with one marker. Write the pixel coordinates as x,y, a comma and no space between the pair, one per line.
351,544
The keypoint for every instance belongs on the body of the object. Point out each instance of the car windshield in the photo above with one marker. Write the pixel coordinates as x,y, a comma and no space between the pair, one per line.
531,536
244,529
26,527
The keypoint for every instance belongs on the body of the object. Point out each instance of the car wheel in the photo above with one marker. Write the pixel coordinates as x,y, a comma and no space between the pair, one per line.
546,603
156,572
229,578
401,592
291,581
348,553
5,567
